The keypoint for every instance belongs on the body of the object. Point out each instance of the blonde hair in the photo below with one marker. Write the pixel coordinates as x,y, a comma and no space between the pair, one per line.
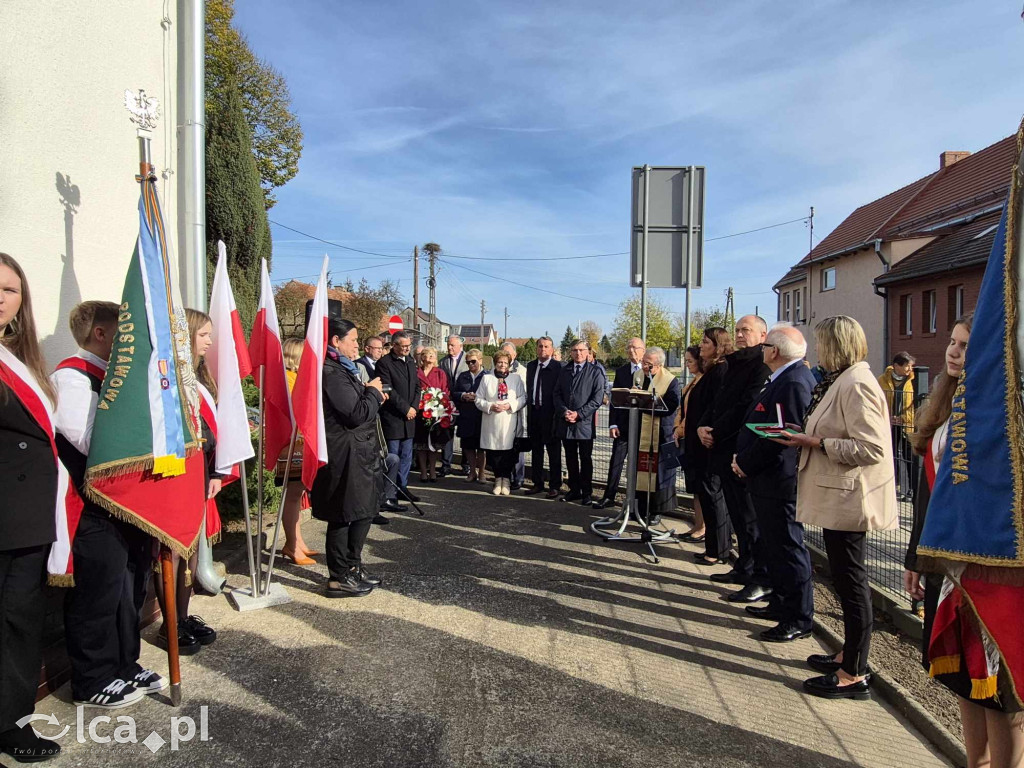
88,315
197,320
292,351
841,342
425,351
475,354
501,354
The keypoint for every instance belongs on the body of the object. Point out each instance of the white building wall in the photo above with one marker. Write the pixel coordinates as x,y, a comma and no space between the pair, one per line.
68,153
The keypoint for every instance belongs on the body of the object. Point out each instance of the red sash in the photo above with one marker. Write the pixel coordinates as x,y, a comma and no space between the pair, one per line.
208,413
83,365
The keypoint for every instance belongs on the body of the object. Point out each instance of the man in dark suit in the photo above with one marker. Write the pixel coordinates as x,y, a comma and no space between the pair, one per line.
372,349
578,394
541,377
769,469
453,364
719,427
397,370
627,375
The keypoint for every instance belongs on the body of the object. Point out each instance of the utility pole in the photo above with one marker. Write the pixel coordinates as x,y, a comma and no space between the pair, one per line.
811,221
432,250
506,324
483,311
415,288
730,309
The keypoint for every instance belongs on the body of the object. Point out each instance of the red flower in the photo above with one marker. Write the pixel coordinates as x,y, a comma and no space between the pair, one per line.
427,414
446,422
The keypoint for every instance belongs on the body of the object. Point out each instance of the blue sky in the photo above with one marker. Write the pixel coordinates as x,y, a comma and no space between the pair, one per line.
509,129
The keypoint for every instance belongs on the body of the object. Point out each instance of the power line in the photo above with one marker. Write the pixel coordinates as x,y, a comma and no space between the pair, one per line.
333,244
340,271
759,229
531,287
541,258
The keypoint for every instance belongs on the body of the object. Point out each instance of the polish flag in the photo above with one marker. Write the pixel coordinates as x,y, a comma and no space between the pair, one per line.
228,363
307,397
265,350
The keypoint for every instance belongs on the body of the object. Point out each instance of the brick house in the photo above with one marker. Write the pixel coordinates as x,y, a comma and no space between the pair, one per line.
848,271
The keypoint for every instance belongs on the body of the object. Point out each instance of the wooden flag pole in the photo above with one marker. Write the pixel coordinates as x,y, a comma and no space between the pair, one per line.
171,623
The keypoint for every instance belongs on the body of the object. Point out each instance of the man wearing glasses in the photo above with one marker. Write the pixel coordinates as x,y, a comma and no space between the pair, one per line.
453,364
367,364
398,371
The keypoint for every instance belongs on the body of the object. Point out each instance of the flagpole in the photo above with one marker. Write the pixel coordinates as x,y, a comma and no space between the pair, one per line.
280,512
259,492
171,623
248,521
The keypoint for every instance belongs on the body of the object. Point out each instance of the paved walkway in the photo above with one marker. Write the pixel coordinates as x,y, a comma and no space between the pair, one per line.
504,636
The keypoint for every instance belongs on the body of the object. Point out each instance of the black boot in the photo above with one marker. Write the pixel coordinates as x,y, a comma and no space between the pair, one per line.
350,585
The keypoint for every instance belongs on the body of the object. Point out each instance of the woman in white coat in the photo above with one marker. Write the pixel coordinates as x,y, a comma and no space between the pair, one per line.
500,397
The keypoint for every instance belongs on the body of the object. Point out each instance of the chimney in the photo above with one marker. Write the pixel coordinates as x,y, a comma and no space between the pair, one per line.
947,159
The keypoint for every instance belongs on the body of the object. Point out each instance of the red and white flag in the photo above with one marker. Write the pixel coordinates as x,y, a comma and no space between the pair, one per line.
265,351
228,363
307,397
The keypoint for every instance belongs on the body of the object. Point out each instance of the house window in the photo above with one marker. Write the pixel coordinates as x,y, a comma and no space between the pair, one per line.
931,309
785,306
907,314
954,305
798,315
828,279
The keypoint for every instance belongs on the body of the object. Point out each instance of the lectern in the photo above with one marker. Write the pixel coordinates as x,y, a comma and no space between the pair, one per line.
637,402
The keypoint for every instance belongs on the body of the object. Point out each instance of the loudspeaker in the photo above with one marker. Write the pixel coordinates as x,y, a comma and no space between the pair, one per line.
333,311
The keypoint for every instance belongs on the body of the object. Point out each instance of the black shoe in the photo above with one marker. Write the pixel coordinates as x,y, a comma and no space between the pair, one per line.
373,581
410,495
552,494
690,539
391,505
729,577
349,586
752,593
823,662
199,629
115,694
24,746
515,487
572,496
148,681
785,632
827,687
187,642
587,501
764,612
604,503
442,472
700,557
533,490
380,520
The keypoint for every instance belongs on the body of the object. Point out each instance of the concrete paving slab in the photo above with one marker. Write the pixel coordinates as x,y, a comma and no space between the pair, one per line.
505,634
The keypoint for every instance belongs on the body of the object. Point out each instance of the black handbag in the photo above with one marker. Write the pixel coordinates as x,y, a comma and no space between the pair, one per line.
521,443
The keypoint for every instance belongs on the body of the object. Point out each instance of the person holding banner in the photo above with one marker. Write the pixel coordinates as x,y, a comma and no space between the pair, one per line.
346,491
193,632
113,558
28,523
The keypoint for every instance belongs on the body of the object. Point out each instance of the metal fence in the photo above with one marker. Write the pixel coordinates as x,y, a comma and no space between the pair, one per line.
885,549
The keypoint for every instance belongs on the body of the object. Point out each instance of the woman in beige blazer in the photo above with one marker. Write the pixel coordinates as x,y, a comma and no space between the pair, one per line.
846,486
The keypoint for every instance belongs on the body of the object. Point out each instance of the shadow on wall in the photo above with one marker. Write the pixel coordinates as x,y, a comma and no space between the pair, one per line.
59,344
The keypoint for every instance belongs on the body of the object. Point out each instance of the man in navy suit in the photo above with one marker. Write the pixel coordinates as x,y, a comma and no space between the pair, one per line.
769,470
541,376
578,394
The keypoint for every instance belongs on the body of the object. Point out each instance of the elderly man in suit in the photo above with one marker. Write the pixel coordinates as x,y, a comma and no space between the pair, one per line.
628,375
541,376
769,470
453,364
578,394
720,426
397,370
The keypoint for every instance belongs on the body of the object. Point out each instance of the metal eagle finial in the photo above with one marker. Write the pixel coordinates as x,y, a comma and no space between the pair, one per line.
145,110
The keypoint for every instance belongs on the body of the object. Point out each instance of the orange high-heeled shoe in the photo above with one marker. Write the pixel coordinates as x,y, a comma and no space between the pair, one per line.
297,559
310,552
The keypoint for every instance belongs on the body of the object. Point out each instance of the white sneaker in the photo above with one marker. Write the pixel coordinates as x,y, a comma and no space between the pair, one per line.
498,487
506,486
119,693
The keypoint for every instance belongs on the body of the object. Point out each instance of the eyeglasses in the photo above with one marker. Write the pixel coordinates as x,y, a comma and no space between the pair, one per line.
471,361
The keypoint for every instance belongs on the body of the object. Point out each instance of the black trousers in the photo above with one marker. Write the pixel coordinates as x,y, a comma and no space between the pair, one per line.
619,447
718,536
579,462
345,546
553,446
22,611
845,551
786,559
502,463
744,524
101,613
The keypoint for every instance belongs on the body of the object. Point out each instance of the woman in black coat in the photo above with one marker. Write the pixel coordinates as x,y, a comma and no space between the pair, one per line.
464,395
346,492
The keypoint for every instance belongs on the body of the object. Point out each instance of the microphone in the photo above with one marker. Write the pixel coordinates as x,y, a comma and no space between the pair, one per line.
638,378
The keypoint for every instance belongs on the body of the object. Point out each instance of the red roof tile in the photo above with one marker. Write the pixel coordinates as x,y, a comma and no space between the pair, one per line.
973,184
